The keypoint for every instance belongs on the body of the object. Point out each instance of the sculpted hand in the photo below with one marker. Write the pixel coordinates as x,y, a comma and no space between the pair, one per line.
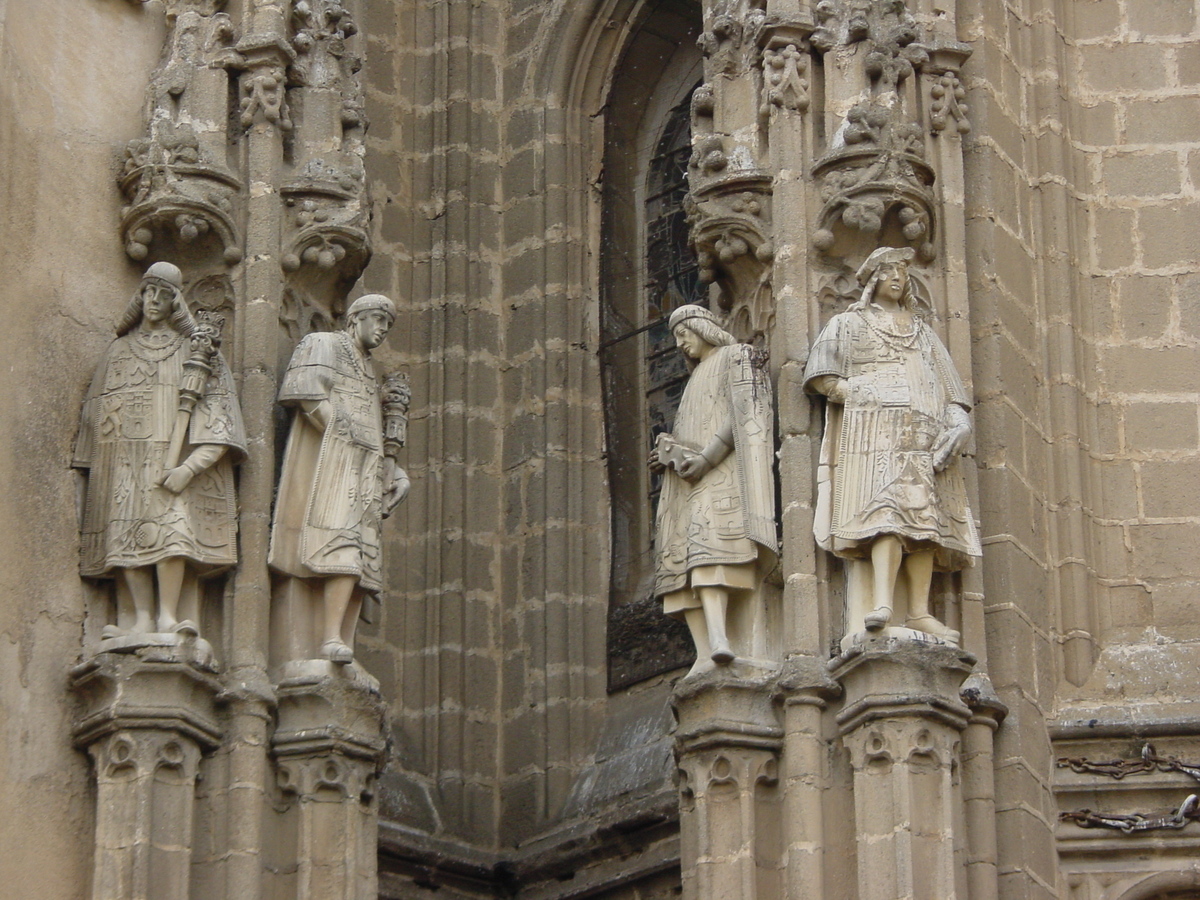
694,467
396,492
656,464
949,444
836,389
177,479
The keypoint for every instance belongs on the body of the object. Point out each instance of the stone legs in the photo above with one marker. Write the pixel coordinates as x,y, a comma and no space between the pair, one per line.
902,724
146,720
329,747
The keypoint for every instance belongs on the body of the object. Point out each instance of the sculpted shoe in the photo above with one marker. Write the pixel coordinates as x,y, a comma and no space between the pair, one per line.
877,619
186,627
723,656
337,652
112,631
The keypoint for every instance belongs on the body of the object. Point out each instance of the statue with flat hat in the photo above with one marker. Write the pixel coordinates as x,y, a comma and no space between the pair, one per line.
892,498
339,479
161,431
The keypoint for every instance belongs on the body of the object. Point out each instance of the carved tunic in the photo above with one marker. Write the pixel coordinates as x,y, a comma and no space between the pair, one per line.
328,514
727,517
128,417
876,474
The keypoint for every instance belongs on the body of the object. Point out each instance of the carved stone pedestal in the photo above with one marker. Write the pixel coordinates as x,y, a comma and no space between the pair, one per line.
727,749
146,718
902,722
329,747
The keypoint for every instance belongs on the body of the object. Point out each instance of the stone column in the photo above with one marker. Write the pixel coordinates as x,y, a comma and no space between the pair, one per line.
727,749
902,723
146,719
329,747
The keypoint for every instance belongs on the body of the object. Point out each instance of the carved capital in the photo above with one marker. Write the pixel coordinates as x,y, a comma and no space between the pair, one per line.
157,688
909,741
330,711
890,678
328,776
726,773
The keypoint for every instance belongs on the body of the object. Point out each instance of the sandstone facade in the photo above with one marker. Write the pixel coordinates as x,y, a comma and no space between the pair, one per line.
510,730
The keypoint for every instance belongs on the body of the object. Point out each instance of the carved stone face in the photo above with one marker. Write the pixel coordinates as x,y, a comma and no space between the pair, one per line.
370,327
689,342
158,301
893,282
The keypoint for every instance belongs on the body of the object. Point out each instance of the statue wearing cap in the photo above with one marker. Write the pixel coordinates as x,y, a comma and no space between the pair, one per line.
715,536
891,496
160,433
337,484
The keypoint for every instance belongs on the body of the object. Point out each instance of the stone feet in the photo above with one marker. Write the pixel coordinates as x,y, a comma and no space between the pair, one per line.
337,652
878,618
722,655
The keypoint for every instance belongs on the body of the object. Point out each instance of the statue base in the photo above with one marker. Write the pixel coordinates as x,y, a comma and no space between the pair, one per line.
893,632
297,673
163,646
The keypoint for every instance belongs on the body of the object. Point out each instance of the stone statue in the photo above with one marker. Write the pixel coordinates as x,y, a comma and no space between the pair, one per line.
340,475
715,534
160,433
891,498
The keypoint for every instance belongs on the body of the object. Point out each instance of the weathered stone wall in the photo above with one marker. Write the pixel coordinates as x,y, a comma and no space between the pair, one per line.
72,81
1078,186
491,640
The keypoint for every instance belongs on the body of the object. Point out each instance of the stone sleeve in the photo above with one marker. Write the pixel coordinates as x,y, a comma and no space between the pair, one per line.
827,356
311,372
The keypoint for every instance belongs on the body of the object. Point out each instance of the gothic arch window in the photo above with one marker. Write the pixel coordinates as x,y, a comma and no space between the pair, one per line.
647,269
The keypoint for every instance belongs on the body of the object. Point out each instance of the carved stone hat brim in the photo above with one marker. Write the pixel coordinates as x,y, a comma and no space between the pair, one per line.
882,257
691,311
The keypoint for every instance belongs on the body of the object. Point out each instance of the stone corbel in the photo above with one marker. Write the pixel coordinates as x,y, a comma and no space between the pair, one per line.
329,748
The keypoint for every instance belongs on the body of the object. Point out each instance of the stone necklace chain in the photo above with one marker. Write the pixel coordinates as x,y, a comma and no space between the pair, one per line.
357,357
155,346
908,341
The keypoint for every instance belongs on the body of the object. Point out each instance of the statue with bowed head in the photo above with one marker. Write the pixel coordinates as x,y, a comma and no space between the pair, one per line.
892,499
160,433
340,476
715,529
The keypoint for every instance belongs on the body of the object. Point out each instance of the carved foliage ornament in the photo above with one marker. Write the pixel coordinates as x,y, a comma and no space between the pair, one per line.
785,79
175,190
878,172
948,95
